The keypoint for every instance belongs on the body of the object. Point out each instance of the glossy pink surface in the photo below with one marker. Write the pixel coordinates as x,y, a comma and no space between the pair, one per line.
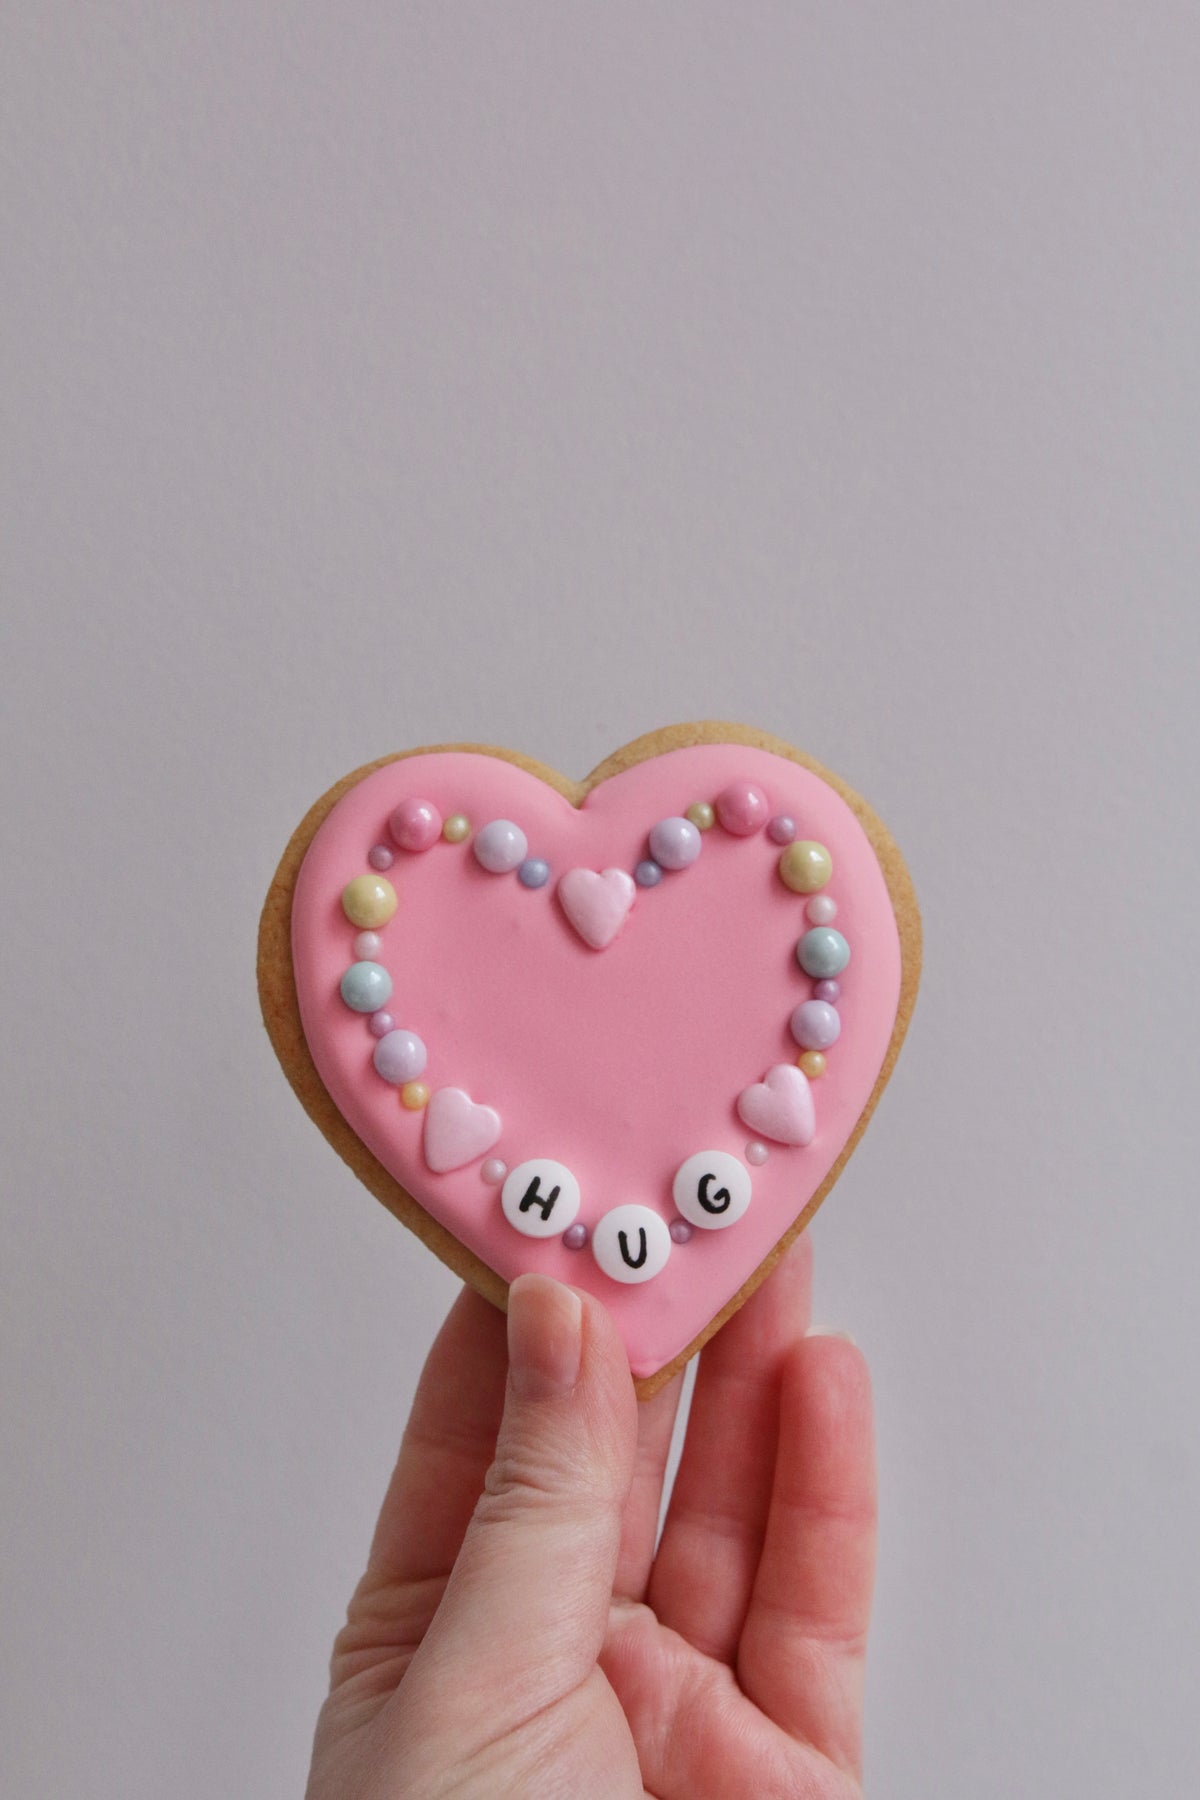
619,1064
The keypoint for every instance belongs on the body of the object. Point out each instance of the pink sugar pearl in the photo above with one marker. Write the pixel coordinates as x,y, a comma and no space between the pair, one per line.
415,824
742,808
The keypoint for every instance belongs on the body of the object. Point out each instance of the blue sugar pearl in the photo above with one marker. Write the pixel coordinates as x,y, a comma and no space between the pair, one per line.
675,843
366,986
533,872
647,874
822,952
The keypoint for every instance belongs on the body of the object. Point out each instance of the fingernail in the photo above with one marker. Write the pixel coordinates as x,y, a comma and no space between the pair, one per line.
545,1337
828,1331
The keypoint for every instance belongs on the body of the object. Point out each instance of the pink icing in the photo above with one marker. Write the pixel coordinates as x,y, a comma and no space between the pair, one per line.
618,1065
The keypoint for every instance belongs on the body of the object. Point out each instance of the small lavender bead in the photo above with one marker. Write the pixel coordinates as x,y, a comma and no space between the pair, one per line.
757,1154
575,1237
781,830
380,857
827,990
647,873
380,1024
366,986
675,843
533,872
400,1057
681,1231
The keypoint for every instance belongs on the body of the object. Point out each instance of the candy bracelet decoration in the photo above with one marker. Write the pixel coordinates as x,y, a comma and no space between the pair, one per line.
542,1018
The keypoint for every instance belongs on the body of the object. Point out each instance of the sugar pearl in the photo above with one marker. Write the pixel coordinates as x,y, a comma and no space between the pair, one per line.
701,815
804,867
742,808
822,951
533,872
500,847
368,901
380,857
681,1231
827,990
400,1057
494,1171
757,1154
414,1095
575,1236
415,825
367,945
380,1023
456,828
647,873
674,843
781,830
815,1025
821,909
365,987
812,1064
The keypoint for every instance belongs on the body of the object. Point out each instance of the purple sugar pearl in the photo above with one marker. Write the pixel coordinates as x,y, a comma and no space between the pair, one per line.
400,1057
380,857
575,1237
647,873
380,1024
533,872
827,990
681,1231
815,1025
781,829
674,843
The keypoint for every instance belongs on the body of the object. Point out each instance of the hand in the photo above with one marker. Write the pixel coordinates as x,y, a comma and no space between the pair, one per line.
515,1632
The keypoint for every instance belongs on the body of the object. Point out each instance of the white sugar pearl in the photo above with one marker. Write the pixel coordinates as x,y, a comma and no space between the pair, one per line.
501,846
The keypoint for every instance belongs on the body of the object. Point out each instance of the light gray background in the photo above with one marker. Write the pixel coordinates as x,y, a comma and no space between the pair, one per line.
543,374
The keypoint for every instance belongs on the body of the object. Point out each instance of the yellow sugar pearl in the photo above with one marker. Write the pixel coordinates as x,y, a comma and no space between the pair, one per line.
456,828
414,1095
368,901
805,866
812,1063
701,815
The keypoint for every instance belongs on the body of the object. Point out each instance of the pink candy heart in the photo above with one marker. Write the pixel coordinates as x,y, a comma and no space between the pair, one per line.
457,1130
597,905
780,1107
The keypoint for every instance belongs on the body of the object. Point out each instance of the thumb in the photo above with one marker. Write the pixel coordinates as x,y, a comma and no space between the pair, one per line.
524,1614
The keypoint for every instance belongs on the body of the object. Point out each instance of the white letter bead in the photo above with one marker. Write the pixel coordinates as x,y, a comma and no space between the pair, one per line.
631,1243
712,1189
540,1198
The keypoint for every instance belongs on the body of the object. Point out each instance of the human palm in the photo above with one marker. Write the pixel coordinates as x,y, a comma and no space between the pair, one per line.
518,1632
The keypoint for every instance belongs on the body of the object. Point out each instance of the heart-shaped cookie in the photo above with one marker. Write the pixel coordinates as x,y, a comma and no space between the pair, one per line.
624,1031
